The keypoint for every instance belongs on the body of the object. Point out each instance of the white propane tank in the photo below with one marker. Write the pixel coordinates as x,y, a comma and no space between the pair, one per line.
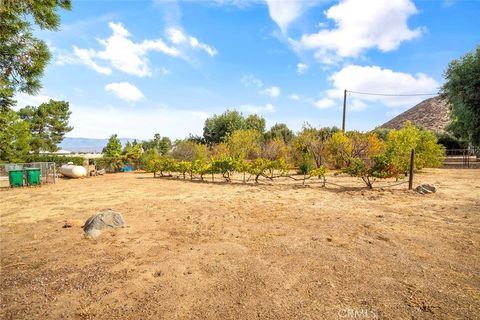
72,171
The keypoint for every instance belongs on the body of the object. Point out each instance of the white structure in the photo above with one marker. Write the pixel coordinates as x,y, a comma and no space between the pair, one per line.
72,171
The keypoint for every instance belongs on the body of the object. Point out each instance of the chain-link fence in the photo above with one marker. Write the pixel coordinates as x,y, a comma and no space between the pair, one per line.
48,172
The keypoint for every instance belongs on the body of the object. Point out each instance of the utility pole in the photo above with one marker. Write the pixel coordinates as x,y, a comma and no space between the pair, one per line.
344,109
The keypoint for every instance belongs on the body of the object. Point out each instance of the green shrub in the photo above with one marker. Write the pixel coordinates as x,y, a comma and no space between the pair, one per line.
428,153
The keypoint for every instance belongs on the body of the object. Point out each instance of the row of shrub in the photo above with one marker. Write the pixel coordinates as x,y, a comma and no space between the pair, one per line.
366,155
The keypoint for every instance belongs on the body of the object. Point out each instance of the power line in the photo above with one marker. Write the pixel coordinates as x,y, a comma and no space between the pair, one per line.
393,95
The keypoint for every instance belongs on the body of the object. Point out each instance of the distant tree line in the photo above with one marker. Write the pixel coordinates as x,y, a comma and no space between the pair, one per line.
233,143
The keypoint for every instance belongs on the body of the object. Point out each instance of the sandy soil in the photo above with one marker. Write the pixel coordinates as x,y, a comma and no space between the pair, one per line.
220,251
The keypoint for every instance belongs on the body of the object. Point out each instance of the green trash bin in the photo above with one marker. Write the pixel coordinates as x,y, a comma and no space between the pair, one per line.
15,177
33,176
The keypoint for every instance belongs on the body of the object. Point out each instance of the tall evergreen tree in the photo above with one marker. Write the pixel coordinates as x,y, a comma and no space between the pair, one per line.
23,57
14,137
48,124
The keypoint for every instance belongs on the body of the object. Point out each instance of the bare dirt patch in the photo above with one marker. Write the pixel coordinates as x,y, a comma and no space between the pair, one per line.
210,251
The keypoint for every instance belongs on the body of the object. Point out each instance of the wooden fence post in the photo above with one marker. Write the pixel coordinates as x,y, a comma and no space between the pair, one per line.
54,173
410,176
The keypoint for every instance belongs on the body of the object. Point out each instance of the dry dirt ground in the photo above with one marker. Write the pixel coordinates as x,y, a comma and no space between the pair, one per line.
221,251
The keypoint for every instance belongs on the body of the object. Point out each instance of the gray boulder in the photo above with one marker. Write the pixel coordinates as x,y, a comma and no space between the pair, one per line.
103,220
426,189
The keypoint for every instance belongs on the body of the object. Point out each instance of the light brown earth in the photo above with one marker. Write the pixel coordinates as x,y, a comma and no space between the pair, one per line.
220,251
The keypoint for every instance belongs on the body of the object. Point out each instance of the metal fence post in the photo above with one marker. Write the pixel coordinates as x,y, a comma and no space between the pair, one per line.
54,173
410,176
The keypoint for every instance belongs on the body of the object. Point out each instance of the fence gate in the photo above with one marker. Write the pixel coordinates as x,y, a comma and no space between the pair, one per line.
48,171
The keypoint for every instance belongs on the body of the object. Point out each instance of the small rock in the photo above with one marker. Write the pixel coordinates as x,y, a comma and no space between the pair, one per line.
426,189
103,220
73,223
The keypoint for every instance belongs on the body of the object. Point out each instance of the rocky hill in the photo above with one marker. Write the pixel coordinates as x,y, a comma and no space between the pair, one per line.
431,114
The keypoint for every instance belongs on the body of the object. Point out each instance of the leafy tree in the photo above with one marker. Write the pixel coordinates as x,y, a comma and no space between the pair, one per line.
14,137
381,133
274,149
186,150
218,127
113,147
462,89
255,122
132,153
339,150
22,56
427,152
312,142
219,150
449,141
224,165
365,145
48,124
244,144
266,168
148,158
112,154
280,130
162,144
369,170
196,138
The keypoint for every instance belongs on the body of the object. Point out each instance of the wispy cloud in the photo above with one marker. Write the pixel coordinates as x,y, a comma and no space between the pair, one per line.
272,91
257,109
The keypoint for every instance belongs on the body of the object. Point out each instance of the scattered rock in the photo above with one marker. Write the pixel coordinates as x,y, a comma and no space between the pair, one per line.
73,223
103,220
426,189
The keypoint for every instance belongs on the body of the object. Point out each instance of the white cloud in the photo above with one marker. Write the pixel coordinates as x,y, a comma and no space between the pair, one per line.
178,37
125,91
85,57
257,109
294,97
284,12
374,79
361,25
301,68
272,91
251,81
325,103
122,53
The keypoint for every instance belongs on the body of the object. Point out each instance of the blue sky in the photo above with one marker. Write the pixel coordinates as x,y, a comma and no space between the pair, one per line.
139,67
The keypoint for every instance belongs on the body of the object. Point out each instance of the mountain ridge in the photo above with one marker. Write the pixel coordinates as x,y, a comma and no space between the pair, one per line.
79,144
